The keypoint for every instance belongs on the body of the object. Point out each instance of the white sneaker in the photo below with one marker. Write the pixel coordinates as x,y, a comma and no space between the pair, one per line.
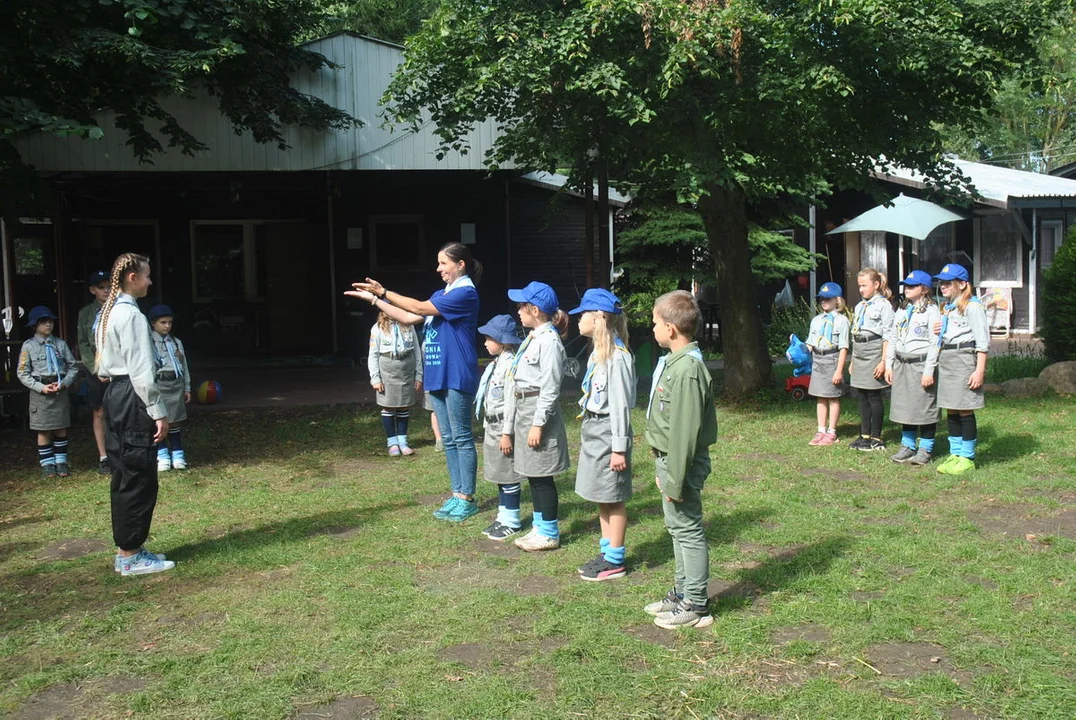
179,461
164,464
144,563
119,560
534,542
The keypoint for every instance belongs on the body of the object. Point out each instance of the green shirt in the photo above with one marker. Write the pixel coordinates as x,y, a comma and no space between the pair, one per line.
682,419
87,348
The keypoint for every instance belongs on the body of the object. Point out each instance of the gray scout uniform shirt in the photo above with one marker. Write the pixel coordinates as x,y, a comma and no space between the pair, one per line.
612,393
127,349
176,362
401,341
969,326
913,335
539,366
34,363
873,318
822,338
490,401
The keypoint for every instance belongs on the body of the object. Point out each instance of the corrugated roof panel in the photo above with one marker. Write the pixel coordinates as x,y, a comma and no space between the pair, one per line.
999,186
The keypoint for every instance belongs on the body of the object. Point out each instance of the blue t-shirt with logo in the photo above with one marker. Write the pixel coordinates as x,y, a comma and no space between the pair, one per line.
450,358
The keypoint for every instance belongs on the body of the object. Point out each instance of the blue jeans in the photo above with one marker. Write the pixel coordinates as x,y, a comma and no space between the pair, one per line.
453,409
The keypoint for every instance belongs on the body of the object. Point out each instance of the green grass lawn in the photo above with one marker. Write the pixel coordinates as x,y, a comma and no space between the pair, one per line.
313,582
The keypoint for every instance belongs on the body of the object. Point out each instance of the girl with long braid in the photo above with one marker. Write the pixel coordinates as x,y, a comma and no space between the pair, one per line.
135,418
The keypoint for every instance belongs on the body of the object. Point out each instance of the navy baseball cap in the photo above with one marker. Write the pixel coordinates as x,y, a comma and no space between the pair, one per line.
538,294
39,313
952,271
917,277
502,328
97,277
598,299
830,290
160,311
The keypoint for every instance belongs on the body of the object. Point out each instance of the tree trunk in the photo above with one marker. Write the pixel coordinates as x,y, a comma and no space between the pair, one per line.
747,365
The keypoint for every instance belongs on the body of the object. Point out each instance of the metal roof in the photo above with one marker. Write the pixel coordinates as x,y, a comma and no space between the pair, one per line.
1000,187
557,181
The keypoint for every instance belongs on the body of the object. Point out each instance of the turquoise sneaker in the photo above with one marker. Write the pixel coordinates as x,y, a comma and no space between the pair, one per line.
442,512
119,559
463,510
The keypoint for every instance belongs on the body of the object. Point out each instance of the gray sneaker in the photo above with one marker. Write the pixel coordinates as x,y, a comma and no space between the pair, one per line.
665,605
685,614
921,457
903,455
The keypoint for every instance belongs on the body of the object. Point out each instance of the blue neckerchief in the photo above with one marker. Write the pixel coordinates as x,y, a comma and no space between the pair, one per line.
861,312
619,345
902,324
526,341
483,384
656,379
828,326
170,346
945,316
52,361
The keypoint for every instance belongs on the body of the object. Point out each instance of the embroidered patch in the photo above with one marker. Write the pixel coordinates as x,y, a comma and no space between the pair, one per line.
920,330
496,393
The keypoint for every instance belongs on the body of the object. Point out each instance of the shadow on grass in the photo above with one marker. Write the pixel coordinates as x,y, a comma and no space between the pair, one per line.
720,529
994,447
777,572
54,590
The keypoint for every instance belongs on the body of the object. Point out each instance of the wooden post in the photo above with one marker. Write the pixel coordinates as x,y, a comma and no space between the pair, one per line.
588,231
604,269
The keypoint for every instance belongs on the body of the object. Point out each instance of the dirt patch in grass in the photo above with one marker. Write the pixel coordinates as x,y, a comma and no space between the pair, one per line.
461,577
981,582
485,546
748,478
72,548
651,633
1021,521
190,620
907,659
862,596
434,501
77,699
345,708
808,632
474,656
533,585
961,713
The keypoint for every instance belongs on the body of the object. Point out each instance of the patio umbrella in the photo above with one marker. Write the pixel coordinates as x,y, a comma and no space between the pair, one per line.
905,216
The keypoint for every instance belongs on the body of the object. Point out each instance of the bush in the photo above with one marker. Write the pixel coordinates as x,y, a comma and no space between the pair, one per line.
785,321
1059,299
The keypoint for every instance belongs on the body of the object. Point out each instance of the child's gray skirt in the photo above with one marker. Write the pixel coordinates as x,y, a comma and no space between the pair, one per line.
594,480
822,369
910,403
954,369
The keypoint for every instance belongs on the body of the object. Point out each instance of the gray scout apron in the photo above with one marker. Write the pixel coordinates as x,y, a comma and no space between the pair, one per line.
823,365
594,480
911,403
955,366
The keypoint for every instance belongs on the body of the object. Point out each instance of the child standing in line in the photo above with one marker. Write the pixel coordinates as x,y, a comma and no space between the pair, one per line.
396,375
533,422
604,470
828,343
135,418
87,351
681,426
871,336
964,338
910,363
502,340
48,368
174,383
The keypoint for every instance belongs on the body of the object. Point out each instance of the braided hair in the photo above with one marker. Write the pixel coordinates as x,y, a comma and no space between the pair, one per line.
125,263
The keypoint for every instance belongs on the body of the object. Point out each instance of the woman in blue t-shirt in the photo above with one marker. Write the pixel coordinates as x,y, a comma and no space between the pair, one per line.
450,363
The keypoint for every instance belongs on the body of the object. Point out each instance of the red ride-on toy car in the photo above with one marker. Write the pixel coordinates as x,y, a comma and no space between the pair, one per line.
797,386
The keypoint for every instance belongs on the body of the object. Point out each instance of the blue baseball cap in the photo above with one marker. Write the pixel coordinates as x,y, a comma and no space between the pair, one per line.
501,328
96,278
830,290
952,271
917,277
160,311
39,313
538,294
598,299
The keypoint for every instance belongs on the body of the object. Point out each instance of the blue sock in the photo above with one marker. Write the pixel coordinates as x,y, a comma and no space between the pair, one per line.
162,452
59,448
926,444
968,450
907,438
603,545
548,528
403,440
45,455
615,555
956,445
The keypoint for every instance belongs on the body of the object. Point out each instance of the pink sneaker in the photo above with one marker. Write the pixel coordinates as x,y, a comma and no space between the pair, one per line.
394,450
817,439
406,450
829,439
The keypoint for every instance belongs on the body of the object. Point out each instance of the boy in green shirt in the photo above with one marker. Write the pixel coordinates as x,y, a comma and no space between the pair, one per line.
98,284
681,426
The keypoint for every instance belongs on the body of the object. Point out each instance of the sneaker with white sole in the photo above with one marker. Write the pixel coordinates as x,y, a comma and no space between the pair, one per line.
502,532
463,510
442,512
589,564
685,614
921,457
600,572
903,455
534,541
119,559
144,563
491,527
164,464
665,605
179,460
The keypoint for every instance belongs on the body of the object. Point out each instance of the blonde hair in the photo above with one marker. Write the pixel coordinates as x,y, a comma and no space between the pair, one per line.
384,321
607,328
680,309
125,264
878,277
559,319
842,306
965,297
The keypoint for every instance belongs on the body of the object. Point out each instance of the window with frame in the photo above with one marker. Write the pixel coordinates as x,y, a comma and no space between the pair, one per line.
999,252
226,260
396,242
1051,236
936,250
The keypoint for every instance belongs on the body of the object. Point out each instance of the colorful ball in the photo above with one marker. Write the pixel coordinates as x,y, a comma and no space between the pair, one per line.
209,392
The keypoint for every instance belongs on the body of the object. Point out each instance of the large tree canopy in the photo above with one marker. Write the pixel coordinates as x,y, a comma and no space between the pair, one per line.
63,61
723,103
391,20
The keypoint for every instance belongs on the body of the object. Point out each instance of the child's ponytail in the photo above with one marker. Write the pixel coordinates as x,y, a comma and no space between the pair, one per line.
560,321
125,263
